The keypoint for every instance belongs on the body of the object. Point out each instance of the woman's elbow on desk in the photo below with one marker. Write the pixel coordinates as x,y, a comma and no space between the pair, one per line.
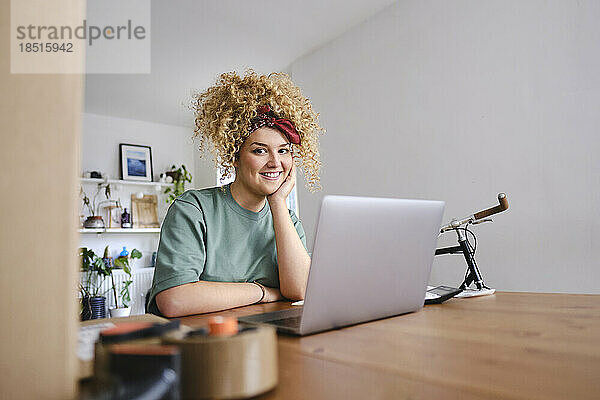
293,294
169,303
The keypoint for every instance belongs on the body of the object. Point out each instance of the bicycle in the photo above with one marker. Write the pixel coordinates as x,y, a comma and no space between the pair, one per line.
473,275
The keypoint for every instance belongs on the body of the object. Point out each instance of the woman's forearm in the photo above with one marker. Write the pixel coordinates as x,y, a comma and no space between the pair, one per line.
292,259
204,296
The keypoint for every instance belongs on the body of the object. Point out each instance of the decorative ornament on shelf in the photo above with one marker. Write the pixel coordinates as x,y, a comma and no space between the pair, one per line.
164,178
126,219
144,211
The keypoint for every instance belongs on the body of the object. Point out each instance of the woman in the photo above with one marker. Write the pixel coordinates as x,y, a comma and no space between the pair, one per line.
239,244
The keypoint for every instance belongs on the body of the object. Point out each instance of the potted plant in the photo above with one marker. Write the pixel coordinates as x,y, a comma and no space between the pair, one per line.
95,221
123,261
92,221
93,302
180,177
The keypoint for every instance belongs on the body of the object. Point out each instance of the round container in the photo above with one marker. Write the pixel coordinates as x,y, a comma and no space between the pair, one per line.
227,367
120,312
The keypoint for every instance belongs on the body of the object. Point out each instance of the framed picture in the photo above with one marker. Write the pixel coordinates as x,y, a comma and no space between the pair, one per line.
136,162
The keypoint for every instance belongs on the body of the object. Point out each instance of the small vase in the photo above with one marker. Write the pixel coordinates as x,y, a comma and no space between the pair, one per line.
93,308
120,312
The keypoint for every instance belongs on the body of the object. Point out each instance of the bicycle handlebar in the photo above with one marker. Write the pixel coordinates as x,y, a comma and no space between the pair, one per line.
494,210
455,223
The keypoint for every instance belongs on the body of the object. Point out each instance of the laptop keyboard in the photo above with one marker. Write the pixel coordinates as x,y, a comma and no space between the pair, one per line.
291,322
286,319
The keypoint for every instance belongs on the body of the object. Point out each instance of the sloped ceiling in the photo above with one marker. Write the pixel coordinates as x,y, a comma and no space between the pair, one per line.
194,41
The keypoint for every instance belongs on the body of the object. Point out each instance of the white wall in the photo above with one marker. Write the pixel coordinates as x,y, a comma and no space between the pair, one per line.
100,140
205,170
102,135
459,101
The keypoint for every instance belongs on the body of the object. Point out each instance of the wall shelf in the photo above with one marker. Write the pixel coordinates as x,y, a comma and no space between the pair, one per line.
120,230
124,182
117,184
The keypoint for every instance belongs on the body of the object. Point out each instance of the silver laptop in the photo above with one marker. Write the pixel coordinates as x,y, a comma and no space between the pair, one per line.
372,259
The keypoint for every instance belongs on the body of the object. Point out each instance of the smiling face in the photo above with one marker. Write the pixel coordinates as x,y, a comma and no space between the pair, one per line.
263,163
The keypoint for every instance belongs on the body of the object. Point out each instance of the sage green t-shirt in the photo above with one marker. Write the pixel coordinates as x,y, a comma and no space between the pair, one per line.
207,235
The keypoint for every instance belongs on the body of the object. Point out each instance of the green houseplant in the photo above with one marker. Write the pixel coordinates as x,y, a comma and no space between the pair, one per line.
125,295
93,301
180,177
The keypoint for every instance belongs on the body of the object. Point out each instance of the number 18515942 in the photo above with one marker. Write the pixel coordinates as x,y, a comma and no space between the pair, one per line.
41,47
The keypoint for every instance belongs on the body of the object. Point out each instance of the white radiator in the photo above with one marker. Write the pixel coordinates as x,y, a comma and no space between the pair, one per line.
142,281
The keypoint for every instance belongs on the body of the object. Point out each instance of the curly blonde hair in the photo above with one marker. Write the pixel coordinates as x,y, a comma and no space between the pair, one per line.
223,113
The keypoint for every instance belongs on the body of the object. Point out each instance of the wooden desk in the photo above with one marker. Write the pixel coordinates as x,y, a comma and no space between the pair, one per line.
506,346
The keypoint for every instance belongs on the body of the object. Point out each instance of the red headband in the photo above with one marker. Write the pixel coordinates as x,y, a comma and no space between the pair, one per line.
267,118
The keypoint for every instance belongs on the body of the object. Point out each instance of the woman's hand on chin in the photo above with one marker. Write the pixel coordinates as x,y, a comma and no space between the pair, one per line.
286,187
